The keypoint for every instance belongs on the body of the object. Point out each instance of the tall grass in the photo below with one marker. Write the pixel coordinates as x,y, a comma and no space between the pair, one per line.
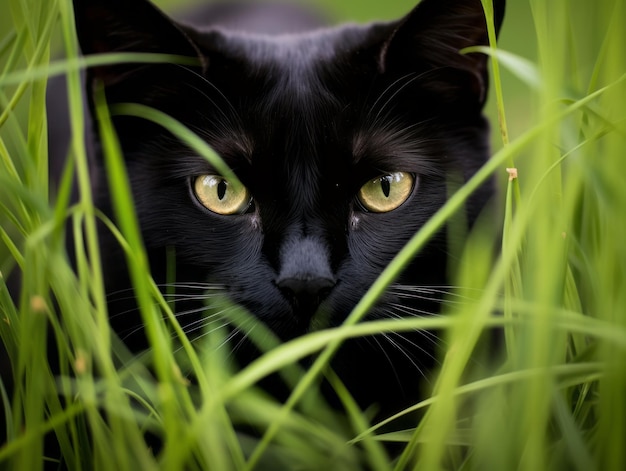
557,287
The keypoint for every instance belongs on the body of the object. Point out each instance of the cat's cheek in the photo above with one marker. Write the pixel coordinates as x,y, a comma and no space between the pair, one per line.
255,222
379,237
354,222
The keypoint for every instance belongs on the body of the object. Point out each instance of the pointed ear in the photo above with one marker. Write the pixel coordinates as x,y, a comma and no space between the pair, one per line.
428,40
127,26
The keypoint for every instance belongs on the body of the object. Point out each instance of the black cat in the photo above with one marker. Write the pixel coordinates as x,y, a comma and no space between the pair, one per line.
345,140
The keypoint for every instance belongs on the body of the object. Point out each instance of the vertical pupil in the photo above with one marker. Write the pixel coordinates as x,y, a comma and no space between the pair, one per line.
221,189
386,185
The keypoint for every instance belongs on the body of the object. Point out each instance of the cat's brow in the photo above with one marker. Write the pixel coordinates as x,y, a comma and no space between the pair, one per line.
394,147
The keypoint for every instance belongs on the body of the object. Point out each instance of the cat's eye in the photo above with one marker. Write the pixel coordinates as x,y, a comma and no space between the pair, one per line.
387,192
220,196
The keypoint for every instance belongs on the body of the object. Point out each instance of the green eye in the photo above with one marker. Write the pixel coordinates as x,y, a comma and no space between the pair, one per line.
220,196
387,192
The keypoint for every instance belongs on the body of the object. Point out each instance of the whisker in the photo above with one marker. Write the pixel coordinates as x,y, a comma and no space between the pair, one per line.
403,351
200,323
114,295
387,357
408,79
245,336
187,297
423,332
191,285
447,290
141,326
235,331
413,311
206,81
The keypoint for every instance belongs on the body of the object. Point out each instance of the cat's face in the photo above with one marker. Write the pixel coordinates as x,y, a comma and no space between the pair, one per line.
345,140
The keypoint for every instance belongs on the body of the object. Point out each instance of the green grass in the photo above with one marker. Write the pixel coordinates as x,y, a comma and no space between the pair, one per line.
557,287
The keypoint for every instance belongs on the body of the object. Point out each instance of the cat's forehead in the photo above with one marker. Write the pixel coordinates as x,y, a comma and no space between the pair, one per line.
301,99
292,77
292,62
308,47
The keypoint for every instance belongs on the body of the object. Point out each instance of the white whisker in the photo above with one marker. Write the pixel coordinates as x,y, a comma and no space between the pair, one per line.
403,351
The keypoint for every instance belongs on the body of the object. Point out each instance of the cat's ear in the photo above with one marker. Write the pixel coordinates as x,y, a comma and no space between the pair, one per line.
428,40
105,26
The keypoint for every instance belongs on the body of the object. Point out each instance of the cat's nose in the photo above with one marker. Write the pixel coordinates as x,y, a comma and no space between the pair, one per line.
305,277
309,291
305,295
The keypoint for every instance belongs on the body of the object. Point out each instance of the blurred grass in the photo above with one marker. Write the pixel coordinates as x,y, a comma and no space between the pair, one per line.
558,287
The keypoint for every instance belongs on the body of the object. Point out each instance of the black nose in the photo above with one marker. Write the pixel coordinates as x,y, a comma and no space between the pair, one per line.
309,290
305,295
305,277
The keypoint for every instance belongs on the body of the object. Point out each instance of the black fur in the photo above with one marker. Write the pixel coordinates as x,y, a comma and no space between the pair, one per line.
304,120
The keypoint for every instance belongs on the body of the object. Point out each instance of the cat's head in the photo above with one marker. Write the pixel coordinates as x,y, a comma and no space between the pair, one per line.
346,140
